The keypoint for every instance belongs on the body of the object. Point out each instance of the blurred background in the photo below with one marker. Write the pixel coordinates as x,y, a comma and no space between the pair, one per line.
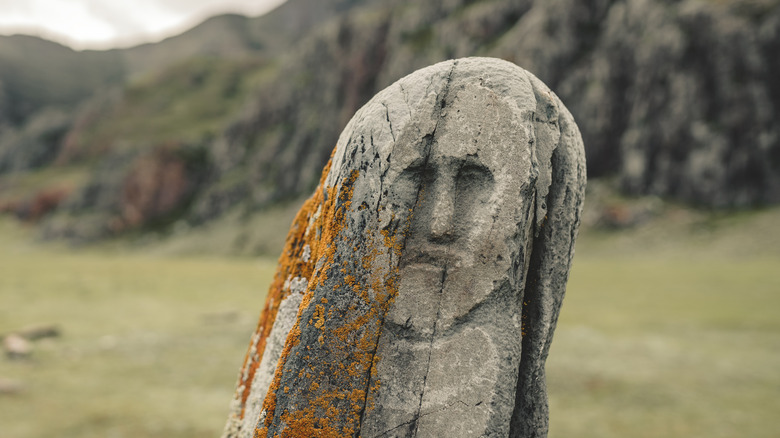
153,153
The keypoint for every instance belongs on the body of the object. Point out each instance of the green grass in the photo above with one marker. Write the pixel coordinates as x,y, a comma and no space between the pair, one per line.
667,347
150,348
671,329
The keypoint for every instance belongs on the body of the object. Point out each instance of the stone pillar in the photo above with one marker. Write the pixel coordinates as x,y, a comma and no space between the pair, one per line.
420,285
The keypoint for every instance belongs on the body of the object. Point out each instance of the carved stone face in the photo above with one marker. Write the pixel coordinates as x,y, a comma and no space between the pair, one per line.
421,316
474,160
467,202
457,314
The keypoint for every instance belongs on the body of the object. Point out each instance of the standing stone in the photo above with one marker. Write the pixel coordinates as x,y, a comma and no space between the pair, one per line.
419,287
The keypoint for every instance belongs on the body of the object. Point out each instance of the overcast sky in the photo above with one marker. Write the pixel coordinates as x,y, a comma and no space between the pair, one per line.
101,24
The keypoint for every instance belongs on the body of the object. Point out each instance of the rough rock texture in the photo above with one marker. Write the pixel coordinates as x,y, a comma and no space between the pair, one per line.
36,145
149,188
674,98
420,285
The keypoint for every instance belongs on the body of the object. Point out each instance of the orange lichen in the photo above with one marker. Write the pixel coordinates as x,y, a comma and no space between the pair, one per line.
319,316
339,378
292,264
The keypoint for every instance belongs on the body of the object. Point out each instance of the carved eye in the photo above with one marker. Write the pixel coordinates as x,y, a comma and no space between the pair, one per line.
474,171
473,185
404,189
472,175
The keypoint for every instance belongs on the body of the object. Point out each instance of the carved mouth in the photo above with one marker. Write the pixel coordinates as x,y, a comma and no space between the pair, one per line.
435,255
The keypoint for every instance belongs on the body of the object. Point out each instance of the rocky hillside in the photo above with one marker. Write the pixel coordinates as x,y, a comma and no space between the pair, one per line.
677,99
674,98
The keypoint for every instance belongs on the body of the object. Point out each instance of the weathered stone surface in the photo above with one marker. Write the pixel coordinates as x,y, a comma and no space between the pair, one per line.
420,285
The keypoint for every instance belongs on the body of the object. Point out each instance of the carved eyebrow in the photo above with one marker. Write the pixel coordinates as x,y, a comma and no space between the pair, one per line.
416,164
470,164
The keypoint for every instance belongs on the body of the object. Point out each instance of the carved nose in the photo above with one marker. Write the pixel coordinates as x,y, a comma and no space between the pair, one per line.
442,216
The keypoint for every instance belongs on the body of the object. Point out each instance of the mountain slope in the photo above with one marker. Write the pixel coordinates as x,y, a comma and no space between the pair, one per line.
677,99
35,73
231,36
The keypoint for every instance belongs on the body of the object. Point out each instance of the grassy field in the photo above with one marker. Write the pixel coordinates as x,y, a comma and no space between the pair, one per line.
668,330
150,346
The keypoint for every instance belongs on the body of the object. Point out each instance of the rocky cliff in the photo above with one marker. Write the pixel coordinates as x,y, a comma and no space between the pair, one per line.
674,98
677,99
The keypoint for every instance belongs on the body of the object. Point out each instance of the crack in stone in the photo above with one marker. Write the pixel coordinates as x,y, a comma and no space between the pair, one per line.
387,160
430,83
430,137
403,244
430,351
406,99
381,179
387,117
420,415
